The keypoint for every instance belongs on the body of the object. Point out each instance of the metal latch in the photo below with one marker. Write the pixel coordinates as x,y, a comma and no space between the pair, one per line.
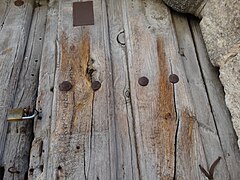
20,114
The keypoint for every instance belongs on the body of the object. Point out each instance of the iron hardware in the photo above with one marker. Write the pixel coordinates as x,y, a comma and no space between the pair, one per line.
83,13
13,170
209,174
18,3
118,40
96,85
173,78
143,81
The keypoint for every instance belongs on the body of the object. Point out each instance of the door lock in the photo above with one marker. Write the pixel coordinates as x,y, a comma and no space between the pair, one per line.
21,114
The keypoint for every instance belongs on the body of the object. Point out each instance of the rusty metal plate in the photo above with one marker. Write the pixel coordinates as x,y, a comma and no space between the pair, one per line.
83,13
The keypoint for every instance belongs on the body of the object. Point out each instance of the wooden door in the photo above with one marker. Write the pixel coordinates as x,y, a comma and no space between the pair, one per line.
162,127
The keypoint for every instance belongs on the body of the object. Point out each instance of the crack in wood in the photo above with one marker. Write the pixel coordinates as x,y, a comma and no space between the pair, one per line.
2,171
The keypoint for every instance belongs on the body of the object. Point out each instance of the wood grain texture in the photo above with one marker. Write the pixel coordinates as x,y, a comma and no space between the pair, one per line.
153,106
200,101
127,166
20,134
222,117
80,138
40,146
14,30
123,130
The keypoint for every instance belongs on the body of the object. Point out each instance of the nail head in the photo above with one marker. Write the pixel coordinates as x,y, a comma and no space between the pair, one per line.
143,81
65,86
173,78
96,85
18,3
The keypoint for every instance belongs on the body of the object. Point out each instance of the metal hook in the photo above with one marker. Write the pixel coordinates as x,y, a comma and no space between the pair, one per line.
12,170
123,44
32,116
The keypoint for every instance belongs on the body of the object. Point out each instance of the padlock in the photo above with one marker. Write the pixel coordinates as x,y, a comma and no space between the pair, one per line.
20,114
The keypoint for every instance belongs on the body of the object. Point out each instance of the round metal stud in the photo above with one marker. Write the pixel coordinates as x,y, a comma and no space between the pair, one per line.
18,3
173,78
96,85
143,81
65,86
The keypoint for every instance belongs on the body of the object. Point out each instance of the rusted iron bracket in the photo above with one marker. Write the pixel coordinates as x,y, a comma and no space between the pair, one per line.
209,174
83,13
13,170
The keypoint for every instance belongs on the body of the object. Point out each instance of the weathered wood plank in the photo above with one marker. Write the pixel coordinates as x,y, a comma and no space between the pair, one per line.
4,8
14,31
80,136
102,151
127,167
162,110
20,134
38,166
215,92
153,105
201,104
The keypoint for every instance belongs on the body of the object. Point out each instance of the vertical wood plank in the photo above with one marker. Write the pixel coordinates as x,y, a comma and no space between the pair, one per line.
14,29
20,134
153,105
200,101
38,165
127,162
220,112
81,135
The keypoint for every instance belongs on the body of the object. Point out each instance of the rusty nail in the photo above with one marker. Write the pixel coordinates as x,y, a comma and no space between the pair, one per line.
173,78
72,48
12,170
65,86
18,3
143,81
96,85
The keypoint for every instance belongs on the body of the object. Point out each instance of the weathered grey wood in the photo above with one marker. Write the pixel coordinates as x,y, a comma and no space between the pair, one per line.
20,134
201,104
153,106
80,137
4,8
221,115
127,165
38,166
14,29
160,107
123,130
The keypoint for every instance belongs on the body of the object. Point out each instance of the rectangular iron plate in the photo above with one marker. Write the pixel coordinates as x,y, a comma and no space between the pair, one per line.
83,13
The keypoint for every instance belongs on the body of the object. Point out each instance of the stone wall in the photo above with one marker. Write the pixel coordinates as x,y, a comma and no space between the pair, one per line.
220,26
